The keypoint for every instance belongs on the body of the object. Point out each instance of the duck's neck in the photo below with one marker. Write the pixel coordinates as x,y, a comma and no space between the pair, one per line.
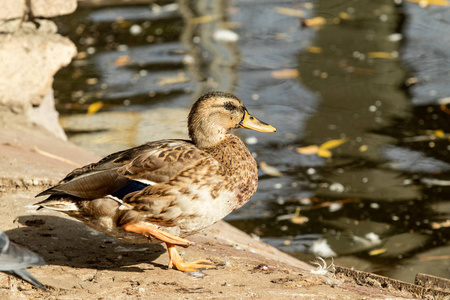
206,136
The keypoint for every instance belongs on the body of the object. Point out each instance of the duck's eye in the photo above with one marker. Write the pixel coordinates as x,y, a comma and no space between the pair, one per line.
229,106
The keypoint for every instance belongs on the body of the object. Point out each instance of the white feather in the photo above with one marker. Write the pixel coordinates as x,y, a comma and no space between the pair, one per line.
145,181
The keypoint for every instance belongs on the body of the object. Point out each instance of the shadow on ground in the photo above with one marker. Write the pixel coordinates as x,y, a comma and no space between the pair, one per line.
65,242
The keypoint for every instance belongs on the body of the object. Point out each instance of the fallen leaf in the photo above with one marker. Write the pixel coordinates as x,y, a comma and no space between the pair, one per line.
313,49
385,55
181,77
377,251
317,21
299,220
94,107
269,170
412,80
439,133
324,153
437,225
290,12
425,3
203,19
82,55
345,16
444,108
285,74
322,150
363,148
332,144
122,60
92,81
308,150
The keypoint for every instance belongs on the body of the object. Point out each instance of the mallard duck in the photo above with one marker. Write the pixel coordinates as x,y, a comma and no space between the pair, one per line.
165,190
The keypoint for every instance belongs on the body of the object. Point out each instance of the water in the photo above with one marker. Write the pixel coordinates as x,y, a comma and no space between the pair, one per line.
369,76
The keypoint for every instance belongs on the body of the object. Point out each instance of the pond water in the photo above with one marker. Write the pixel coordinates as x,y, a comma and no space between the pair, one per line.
358,91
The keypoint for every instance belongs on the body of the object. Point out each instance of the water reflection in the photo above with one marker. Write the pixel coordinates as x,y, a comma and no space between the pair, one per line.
325,71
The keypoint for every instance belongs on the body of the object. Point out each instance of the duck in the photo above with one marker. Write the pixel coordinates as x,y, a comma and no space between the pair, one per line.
163,191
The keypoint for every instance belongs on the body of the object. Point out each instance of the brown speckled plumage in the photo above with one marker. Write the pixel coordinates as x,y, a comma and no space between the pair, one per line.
193,183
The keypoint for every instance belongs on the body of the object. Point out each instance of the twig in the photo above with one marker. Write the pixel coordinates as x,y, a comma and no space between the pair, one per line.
62,159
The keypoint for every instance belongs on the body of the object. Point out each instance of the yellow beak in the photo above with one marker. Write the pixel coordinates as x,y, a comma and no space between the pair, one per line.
250,122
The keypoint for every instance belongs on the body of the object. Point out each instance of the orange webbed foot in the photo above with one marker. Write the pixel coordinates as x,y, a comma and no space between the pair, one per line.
177,262
170,240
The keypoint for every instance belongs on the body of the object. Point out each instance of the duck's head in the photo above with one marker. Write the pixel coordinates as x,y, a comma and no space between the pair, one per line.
215,114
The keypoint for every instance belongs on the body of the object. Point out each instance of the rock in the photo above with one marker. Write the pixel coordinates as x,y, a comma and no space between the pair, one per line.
29,58
46,116
10,26
12,9
48,9
28,62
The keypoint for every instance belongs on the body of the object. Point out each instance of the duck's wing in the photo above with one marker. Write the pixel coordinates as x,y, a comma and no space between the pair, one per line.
15,258
130,170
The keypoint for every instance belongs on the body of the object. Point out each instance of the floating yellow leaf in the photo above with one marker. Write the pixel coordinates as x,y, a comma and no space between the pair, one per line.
317,21
439,133
82,55
286,242
437,225
308,150
385,55
92,81
289,12
345,16
94,107
299,220
332,144
181,77
412,80
425,3
377,251
324,148
324,153
363,148
122,60
444,108
269,170
203,19
285,74
312,49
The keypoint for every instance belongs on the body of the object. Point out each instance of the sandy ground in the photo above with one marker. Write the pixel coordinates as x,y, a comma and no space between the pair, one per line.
84,264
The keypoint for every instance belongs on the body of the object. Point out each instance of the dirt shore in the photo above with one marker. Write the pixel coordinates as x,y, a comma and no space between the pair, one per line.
84,264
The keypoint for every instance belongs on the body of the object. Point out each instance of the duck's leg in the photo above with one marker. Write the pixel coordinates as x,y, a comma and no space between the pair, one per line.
170,240
151,231
179,264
